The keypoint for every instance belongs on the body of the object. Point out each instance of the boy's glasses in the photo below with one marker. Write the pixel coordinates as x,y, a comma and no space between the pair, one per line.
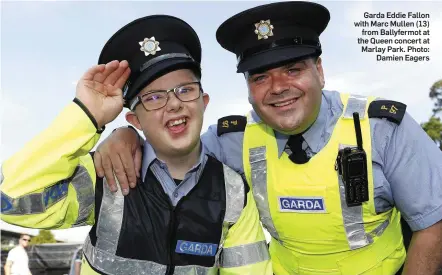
154,100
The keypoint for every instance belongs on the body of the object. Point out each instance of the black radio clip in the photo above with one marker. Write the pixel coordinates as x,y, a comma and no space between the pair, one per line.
351,164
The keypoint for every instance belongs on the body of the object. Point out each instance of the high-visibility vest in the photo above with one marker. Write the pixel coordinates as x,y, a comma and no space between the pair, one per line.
303,206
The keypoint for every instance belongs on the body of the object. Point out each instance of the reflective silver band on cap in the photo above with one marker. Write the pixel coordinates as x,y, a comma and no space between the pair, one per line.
242,255
38,203
160,58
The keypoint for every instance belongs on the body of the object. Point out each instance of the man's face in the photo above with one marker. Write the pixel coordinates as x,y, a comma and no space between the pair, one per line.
24,240
173,130
288,98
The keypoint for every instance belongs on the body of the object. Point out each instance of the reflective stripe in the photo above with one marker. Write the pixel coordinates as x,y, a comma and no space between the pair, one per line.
245,254
224,232
110,219
258,165
235,197
378,231
353,216
355,104
85,195
353,220
103,258
37,203
235,194
195,270
112,264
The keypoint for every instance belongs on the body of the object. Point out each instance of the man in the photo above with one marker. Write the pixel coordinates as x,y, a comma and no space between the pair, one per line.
331,173
17,262
195,216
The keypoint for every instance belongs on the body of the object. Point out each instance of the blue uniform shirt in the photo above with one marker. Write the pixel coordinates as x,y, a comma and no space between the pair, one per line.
407,164
161,172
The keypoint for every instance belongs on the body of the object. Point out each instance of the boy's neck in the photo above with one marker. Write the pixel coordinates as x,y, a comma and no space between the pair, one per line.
179,165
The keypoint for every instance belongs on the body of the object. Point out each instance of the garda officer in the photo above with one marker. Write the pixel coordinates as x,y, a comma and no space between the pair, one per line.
331,173
203,228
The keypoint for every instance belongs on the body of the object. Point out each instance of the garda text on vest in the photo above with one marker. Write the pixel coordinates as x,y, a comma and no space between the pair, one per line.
194,248
302,204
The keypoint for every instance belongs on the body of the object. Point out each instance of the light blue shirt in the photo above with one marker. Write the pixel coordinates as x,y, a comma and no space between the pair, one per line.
161,172
407,164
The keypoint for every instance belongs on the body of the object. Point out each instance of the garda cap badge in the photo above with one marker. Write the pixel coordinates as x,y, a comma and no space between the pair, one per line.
149,46
264,29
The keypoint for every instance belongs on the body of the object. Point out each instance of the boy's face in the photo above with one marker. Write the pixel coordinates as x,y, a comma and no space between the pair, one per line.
173,130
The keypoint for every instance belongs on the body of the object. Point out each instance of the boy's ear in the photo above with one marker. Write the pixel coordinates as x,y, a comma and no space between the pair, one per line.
206,99
132,118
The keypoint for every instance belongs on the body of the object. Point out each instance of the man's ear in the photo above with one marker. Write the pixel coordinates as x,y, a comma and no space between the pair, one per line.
206,99
320,71
132,118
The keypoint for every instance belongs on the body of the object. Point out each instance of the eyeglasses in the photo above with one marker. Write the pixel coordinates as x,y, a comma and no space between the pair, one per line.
26,240
154,100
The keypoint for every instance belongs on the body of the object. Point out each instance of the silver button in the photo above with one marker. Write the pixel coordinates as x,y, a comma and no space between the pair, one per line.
175,194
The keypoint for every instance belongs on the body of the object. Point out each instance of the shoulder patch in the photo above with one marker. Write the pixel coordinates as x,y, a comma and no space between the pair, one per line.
391,110
230,124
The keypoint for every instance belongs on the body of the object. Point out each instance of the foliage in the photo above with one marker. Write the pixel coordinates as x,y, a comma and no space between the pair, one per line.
44,236
436,95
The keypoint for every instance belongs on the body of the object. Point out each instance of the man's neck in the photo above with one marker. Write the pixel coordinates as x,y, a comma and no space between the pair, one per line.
179,165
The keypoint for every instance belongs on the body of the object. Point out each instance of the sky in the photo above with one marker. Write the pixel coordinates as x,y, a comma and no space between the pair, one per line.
47,45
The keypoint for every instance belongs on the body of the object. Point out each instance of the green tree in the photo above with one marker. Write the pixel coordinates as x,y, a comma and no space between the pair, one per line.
44,236
434,129
436,95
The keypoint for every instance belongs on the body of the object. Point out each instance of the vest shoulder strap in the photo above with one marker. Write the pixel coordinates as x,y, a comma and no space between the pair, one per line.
391,110
230,124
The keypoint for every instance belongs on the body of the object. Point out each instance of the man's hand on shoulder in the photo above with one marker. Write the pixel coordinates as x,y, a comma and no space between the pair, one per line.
99,90
120,155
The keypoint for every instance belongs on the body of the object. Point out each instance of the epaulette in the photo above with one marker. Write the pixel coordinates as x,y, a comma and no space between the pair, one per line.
230,124
391,110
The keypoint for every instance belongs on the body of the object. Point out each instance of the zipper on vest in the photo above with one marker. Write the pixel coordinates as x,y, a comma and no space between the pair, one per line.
171,266
172,232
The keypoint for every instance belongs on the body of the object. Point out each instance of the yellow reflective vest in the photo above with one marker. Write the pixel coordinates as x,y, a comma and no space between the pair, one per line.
51,184
303,206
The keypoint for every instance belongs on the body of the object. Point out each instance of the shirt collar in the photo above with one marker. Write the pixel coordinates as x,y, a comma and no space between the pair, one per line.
312,136
149,156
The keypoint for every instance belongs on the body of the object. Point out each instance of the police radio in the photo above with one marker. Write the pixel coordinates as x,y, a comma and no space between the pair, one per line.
352,166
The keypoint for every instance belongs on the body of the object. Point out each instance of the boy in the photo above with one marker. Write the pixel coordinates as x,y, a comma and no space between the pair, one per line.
190,214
